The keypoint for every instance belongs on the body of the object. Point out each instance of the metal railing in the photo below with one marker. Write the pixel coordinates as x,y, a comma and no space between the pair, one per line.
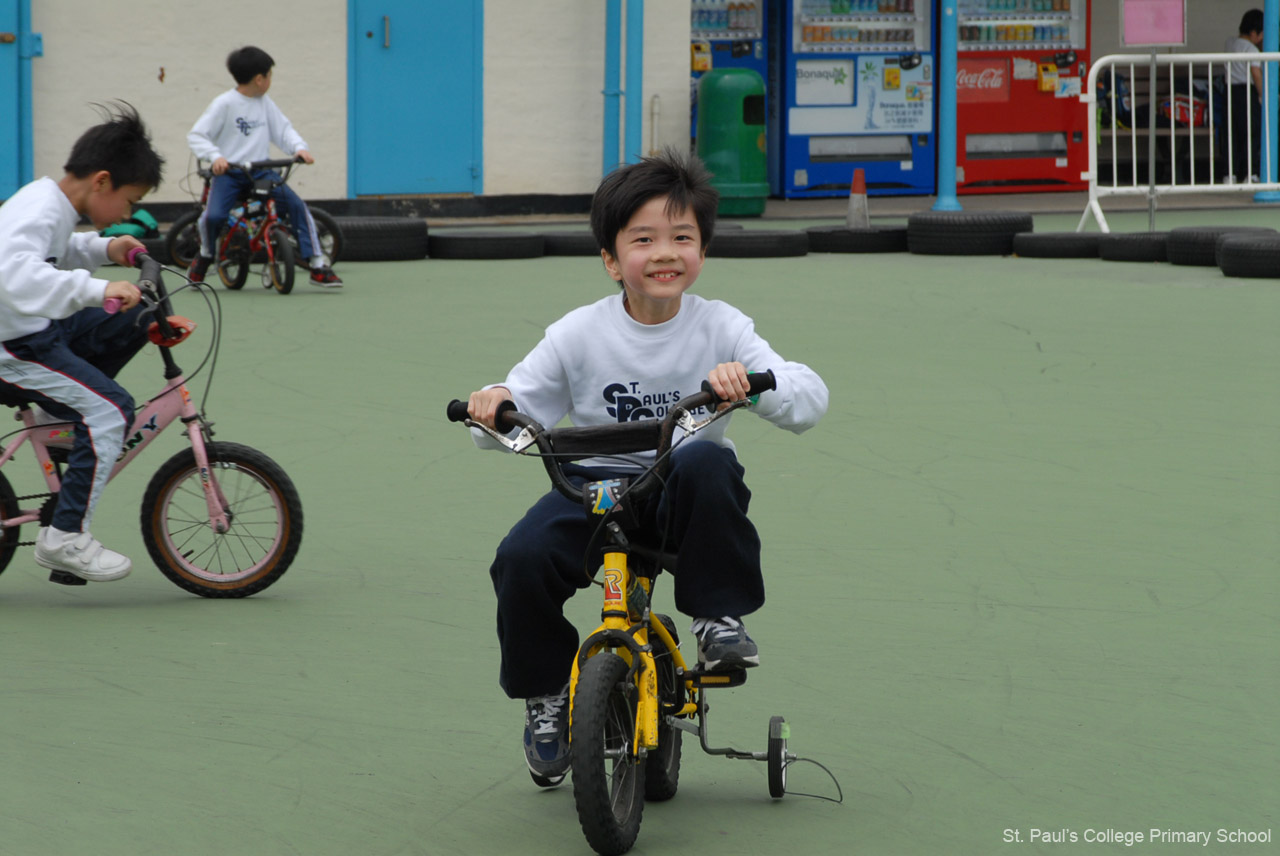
1185,74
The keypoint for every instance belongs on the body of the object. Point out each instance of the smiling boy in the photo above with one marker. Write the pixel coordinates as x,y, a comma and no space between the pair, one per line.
630,356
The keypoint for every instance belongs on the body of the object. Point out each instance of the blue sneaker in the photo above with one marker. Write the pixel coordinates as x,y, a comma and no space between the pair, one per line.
546,738
723,644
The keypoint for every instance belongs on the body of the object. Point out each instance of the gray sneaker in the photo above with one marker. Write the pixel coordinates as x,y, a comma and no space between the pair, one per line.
546,738
723,644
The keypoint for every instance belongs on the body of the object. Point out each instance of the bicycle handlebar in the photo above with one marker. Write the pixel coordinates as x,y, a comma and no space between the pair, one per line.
559,445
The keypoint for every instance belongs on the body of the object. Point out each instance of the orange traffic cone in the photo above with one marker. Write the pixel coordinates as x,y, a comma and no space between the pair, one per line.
857,218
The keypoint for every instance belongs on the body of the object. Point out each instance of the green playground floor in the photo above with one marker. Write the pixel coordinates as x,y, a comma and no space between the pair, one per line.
1022,577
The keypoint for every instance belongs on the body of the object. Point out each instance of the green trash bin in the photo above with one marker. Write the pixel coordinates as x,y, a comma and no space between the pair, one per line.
731,136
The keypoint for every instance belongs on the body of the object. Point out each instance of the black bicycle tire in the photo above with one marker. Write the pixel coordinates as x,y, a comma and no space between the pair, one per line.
841,239
485,244
759,244
662,765
281,269
167,480
599,708
9,536
1056,245
1251,256
329,231
236,257
776,758
1197,245
383,239
1134,247
178,242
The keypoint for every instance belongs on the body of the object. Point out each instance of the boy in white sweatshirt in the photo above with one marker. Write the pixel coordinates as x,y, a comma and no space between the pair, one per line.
630,356
58,348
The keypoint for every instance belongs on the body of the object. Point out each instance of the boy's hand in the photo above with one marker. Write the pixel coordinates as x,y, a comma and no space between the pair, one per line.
219,166
483,404
118,249
304,156
126,292
729,381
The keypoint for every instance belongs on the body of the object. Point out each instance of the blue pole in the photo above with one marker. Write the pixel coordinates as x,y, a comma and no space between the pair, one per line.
30,45
1270,43
612,91
635,81
946,87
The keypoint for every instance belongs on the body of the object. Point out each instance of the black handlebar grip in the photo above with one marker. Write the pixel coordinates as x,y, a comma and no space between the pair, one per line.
500,419
456,411
757,382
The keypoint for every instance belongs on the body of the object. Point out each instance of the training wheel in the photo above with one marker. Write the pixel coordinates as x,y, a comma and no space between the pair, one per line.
779,731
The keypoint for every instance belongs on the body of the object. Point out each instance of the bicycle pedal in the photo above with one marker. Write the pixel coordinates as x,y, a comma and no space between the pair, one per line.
66,578
714,680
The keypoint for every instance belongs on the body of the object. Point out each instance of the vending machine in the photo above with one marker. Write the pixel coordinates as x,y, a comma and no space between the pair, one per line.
1020,124
726,34
853,88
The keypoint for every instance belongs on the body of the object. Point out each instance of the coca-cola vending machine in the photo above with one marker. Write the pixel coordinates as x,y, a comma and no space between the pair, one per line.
1020,67
851,85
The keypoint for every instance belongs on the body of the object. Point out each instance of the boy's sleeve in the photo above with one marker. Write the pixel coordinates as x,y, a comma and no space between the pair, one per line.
800,398
203,133
281,129
29,285
539,387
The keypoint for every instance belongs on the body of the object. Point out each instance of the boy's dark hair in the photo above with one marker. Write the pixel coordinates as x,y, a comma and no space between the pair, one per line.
1251,22
248,62
681,178
121,146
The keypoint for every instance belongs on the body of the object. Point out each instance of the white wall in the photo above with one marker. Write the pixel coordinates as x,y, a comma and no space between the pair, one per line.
1209,24
97,52
543,76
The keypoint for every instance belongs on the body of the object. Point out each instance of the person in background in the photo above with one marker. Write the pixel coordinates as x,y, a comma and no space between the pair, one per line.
238,126
1245,92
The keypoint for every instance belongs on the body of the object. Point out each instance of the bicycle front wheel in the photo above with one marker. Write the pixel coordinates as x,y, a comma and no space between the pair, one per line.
662,766
280,264
8,534
608,779
263,509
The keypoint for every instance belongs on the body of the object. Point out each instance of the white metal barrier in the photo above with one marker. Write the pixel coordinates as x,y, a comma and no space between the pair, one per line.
1185,75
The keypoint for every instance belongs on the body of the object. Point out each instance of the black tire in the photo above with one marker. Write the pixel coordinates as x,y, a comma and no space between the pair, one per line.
608,779
1197,245
1056,245
841,239
485,244
280,264
382,239
182,241
9,534
233,258
331,238
1134,247
966,233
265,532
662,765
759,243
776,757
566,243
1251,256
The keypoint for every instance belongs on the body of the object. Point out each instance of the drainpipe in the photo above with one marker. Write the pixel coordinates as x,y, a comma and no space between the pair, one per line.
946,86
612,90
635,80
1270,43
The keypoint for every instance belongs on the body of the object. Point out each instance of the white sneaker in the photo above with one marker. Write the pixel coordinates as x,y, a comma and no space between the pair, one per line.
81,554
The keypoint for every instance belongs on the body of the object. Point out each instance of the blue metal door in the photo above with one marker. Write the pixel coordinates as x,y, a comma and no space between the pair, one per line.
414,96
10,100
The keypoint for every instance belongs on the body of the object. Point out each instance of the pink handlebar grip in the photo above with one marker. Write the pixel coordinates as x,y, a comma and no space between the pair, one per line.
112,305
132,257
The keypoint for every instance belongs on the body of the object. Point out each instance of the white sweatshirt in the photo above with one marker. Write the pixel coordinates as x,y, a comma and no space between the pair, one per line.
45,264
240,128
598,365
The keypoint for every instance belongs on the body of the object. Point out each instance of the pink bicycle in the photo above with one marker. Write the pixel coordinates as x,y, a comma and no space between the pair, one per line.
219,519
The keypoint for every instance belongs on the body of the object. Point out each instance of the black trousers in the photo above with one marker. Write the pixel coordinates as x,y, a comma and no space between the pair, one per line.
1246,124
543,561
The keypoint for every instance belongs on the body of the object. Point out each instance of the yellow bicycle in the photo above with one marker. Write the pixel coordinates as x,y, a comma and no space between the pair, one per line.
631,693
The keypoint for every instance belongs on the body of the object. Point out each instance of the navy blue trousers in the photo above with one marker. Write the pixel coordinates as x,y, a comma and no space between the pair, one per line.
67,369
543,561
